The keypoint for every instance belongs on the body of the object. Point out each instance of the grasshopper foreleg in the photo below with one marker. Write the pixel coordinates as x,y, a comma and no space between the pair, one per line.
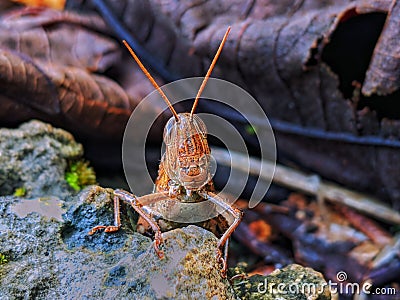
236,216
117,220
137,204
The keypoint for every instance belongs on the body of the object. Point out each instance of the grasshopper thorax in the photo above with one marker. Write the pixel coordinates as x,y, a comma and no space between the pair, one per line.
187,155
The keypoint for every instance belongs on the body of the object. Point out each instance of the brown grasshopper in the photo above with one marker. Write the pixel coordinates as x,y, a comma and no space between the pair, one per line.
184,176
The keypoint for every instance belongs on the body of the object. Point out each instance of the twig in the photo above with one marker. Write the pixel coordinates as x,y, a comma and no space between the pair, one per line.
309,184
123,34
295,129
367,226
388,253
385,274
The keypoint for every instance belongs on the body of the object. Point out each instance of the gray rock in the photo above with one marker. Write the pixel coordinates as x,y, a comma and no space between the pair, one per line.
53,259
34,156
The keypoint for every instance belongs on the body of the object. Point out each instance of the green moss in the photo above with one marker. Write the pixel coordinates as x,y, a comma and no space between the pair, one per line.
238,271
20,192
3,259
79,174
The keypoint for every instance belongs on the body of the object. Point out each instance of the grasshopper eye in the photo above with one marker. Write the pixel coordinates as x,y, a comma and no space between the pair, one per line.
203,161
200,126
170,131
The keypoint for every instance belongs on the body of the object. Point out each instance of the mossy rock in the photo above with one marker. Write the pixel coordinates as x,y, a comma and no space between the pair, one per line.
293,282
34,158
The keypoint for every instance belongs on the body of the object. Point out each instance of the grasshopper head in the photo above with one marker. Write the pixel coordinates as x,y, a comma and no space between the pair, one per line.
187,155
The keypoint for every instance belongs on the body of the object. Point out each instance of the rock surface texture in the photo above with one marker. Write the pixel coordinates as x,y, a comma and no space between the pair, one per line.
53,259
35,157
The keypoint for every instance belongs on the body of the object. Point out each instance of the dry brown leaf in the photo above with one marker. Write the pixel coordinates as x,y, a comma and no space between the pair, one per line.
23,81
383,75
60,38
46,62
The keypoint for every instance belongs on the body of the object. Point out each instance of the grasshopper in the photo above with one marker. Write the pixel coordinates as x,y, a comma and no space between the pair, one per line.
184,176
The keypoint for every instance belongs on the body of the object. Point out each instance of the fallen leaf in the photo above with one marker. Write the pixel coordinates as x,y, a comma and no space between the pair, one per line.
46,61
60,38
383,75
22,80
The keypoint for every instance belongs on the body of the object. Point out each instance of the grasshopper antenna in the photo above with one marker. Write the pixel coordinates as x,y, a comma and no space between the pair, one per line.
153,82
214,61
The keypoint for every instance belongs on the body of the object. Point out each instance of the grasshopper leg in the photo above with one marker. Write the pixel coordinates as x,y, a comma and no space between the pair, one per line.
223,259
137,204
236,216
117,220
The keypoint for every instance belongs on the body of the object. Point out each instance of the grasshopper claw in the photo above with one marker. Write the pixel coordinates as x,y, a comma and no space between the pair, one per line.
223,262
106,229
96,228
157,242
111,229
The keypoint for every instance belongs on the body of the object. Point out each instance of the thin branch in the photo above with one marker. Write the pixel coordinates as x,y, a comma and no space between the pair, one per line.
309,184
123,34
